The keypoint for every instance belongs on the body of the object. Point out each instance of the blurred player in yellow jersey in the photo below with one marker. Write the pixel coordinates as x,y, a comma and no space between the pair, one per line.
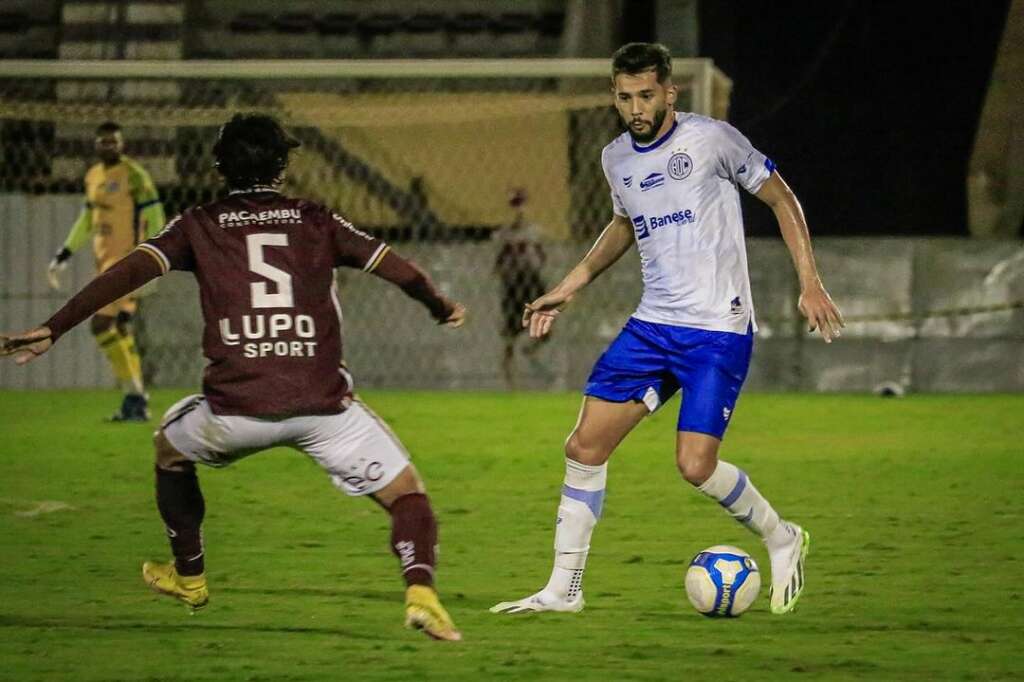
122,208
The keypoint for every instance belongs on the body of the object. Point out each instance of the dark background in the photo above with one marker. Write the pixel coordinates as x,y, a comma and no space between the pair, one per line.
869,108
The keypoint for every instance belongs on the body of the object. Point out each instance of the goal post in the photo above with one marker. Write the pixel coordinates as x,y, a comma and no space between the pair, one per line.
424,153
424,147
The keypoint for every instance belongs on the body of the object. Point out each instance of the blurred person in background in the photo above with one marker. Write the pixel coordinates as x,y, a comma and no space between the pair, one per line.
122,208
518,265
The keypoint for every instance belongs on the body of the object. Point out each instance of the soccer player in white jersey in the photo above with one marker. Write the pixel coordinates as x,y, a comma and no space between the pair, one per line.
674,181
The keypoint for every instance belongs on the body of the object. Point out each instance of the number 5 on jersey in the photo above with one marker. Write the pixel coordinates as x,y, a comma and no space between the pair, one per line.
260,298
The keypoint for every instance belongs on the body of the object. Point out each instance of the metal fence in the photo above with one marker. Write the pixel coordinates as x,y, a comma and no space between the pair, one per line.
926,315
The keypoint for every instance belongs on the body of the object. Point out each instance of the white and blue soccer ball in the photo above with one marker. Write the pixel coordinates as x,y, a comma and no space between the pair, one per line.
722,581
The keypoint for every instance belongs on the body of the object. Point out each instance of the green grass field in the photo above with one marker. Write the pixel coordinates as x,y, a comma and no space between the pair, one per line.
915,571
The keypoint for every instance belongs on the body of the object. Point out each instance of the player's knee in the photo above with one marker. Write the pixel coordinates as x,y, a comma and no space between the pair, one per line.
407,482
100,323
586,450
696,468
166,456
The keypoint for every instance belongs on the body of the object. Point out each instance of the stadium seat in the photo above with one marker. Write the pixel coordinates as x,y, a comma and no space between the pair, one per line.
251,22
469,23
469,34
338,24
514,33
381,36
424,23
379,23
13,22
295,22
551,24
511,23
423,34
339,36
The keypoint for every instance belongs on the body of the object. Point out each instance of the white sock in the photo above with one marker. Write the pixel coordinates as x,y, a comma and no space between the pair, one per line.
734,491
578,512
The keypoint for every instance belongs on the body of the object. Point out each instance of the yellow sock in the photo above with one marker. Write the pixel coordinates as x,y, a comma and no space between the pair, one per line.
127,342
124,359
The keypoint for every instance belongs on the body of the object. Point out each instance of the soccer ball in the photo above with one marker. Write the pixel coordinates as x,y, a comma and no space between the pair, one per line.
722,581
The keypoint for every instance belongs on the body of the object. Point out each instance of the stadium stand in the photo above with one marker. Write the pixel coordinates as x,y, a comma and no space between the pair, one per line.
28,29
391,28
118,30
391,196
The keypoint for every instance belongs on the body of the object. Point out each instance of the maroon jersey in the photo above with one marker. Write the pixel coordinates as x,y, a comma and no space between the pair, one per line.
264,263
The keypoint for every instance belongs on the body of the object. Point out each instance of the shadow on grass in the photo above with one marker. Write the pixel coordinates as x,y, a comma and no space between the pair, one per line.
192,625
392,596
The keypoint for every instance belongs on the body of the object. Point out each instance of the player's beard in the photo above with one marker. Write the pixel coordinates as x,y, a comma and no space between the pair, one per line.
644,138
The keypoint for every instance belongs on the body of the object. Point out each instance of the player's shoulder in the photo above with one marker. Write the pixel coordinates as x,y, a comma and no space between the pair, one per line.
615,149
181,221
133,166
712,129
313,208
198,214
688,118
319,214
333,216
703,125
620,143
94,171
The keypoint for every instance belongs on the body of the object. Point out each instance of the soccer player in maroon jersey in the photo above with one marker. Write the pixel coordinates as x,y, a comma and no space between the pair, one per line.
265,267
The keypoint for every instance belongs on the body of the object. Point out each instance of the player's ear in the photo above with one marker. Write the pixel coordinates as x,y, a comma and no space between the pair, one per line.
671,92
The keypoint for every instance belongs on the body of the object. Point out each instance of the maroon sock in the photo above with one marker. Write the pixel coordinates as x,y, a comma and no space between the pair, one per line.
414,538
182,507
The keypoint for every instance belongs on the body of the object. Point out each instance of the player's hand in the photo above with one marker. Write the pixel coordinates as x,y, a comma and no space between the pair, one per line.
26,346
457,318
821,312
55,272
541,314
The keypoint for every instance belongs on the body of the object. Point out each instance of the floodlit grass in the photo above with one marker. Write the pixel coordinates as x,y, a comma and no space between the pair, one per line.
915,572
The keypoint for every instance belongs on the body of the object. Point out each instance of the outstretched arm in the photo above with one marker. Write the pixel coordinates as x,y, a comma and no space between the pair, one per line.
417,284
815,303
126,276
614,241
356,249
76,237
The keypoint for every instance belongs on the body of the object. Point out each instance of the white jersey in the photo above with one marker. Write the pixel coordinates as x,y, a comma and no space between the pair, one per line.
680,192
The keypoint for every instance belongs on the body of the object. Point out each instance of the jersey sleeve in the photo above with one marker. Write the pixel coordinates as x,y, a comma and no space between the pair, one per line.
354,248
617,206
80,231
739,161
146,198
171,248
127,275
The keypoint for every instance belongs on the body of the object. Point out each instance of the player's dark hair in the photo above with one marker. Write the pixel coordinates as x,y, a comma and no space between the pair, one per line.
108,127
634,58
252,149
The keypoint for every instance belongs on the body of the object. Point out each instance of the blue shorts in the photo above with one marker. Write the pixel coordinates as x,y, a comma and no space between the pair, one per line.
649,362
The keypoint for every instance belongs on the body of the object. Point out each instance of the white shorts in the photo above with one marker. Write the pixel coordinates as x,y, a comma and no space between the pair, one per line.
356,448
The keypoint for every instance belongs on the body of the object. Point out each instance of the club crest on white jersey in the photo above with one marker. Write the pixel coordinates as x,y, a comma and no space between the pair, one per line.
681,194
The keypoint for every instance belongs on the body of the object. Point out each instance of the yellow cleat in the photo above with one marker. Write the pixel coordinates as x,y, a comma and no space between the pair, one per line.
163,578
423,611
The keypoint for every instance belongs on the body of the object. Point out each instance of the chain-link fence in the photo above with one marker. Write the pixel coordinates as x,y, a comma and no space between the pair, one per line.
489,175
418,151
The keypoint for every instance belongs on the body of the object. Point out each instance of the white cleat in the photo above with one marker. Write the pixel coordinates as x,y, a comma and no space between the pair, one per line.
542,601
788,570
